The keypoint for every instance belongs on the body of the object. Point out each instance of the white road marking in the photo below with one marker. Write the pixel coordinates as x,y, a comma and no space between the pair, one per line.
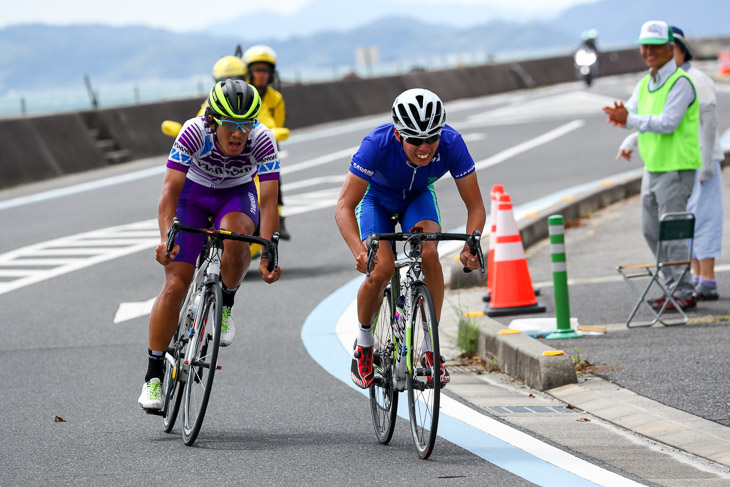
318,161
571,104
338,179
129,311
80,188
104,245
473,136
530,144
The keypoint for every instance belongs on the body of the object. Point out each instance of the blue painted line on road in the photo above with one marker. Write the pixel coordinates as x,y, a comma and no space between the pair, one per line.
322,344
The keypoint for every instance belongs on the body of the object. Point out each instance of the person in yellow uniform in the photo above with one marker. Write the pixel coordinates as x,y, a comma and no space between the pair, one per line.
227,67
260,63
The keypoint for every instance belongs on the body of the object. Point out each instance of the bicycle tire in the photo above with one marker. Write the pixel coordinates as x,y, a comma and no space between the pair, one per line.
383,395
172,390
202,367
423,382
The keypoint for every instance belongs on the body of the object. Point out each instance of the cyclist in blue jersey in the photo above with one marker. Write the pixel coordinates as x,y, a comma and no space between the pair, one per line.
210,172
392,173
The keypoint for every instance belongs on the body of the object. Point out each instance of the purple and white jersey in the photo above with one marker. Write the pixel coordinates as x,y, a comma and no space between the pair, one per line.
196,153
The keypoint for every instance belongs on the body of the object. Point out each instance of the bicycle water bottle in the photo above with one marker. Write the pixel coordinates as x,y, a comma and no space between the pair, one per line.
192,310
397,324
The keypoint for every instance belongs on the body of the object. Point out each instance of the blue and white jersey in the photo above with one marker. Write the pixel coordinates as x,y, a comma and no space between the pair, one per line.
380,161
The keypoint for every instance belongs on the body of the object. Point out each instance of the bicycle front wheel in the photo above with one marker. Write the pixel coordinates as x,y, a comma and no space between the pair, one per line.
383,396
424,371
172,384
202,363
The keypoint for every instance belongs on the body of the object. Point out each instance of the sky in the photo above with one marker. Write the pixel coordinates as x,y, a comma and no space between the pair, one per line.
187,15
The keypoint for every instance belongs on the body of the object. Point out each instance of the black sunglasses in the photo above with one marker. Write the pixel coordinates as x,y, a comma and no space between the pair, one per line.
418,141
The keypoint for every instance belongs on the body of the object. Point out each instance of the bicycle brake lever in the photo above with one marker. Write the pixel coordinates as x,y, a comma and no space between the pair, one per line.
475,249
273,253
171,234
372,250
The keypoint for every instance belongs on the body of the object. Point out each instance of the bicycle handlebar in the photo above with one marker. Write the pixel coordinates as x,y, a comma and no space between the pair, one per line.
373,242
272,246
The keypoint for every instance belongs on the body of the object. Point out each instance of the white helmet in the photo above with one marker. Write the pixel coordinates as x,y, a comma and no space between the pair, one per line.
418,113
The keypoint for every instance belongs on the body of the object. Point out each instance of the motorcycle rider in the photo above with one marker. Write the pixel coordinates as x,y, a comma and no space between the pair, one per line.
586,57
260,61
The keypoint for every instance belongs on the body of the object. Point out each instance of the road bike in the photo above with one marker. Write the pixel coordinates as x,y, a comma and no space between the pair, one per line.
192,357
406,353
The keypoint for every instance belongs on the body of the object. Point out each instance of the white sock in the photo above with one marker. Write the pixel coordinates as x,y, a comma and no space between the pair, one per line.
365,336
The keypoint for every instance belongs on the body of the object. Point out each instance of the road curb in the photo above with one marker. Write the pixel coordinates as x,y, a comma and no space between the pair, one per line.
520,355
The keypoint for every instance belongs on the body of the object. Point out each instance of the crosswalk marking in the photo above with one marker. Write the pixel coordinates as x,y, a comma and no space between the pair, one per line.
19,268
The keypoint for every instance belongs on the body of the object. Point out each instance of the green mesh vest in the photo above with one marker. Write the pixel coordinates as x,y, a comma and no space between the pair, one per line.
669,152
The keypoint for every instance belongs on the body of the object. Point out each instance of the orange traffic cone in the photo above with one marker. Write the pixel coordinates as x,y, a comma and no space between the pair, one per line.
497,190
512,292
723,62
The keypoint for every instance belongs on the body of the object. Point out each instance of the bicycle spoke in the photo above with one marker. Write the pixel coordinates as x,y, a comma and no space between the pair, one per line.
202,364
383,396
424,386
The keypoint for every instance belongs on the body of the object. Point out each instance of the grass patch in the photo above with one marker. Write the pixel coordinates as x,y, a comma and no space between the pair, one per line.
583,366
467,335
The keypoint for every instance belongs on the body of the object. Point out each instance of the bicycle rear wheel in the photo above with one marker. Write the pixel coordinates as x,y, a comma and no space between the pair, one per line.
383,396
172,389
202,366
424,378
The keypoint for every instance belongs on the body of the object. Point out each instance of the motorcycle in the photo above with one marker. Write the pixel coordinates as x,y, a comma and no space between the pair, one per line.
586,64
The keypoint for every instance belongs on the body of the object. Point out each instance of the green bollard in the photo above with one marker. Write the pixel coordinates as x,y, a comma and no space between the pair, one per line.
556,229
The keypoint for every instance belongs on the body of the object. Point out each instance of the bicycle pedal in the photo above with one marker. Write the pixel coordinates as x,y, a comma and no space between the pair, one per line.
154,412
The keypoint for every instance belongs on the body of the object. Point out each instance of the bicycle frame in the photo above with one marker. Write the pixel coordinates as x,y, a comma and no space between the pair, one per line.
189,354
206,273
208,268
414,277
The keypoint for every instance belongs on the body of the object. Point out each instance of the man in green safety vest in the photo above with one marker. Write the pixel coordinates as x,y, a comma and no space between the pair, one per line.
665,110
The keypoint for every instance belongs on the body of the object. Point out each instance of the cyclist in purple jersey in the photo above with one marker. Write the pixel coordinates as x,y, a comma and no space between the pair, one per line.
210,172
393,173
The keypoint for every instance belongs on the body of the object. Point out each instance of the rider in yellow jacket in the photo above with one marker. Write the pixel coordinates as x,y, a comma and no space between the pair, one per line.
260,63
227,67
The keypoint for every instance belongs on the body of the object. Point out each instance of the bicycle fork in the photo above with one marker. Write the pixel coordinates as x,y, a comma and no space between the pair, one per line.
403,351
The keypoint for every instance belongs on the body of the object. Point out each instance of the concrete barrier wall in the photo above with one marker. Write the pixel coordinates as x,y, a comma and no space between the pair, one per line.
44,147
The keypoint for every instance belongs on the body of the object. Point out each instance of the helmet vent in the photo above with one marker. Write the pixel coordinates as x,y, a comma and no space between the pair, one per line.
418,113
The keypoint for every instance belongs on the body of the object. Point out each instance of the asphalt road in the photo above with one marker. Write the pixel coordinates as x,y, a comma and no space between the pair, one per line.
276,417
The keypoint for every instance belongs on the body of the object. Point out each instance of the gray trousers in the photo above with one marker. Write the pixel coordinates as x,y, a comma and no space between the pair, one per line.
664,192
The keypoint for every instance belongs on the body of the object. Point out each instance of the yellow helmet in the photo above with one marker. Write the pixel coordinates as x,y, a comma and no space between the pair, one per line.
259,54
229,67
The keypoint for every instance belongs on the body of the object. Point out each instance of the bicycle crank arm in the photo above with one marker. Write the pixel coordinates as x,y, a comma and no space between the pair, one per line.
205,365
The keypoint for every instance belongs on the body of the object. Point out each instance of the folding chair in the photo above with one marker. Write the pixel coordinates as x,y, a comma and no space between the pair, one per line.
672,226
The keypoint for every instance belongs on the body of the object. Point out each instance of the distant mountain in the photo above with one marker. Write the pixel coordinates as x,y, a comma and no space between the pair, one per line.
54,57
48,57
51,57
403,39
334,15
618,21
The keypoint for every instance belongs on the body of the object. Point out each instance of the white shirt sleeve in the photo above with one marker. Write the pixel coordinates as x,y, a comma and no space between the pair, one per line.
679,99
